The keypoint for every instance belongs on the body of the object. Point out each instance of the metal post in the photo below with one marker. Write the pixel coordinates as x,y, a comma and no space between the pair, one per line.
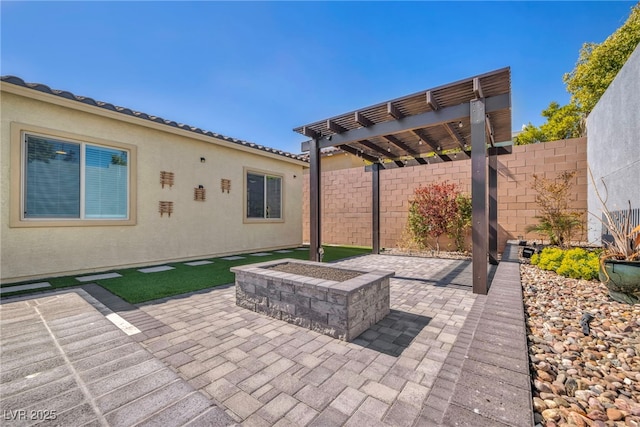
375,207
315,217
479,196
493,207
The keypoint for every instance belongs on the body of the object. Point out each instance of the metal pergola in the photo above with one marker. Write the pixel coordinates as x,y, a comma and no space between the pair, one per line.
470,118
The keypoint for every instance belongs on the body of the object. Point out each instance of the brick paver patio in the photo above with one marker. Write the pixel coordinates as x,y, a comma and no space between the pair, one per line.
443,356
264,371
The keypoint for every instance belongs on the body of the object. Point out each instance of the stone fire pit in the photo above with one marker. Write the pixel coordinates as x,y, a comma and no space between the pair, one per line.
334,301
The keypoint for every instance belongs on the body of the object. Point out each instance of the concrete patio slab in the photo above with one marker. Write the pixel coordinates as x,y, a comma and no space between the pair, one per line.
95,277
156,269
77,368
39,285
197,263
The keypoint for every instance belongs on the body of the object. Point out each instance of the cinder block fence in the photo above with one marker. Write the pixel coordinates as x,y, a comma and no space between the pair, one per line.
346,193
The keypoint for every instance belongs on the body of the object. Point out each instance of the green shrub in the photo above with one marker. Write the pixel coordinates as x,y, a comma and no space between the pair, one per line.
576,263
535,258
551,259
579,264
556,219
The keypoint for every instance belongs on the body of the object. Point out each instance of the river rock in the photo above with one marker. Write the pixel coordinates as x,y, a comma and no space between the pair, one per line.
593,380
614,414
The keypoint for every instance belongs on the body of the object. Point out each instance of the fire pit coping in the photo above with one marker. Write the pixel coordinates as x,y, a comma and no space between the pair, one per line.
261,270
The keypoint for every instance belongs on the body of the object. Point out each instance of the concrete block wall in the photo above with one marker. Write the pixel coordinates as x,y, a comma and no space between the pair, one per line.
341,310
346,193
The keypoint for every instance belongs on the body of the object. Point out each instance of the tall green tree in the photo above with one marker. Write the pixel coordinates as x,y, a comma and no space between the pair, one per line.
562,122
597,66
599,63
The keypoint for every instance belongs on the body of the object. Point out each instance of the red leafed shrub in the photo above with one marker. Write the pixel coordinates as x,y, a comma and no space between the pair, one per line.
434,210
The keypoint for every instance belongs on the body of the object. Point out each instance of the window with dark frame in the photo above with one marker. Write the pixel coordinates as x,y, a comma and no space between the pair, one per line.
74,180
264,196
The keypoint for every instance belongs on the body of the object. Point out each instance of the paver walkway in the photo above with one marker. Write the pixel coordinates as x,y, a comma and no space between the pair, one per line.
267,372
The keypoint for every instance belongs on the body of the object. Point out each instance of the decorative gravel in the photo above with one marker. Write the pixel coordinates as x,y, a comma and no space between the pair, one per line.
581,379
325,273
427,253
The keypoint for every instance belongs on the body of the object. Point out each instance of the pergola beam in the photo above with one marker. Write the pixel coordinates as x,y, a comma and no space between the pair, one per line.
358,153
456,137
370,145
429,141
477,88
334,127
361,119
401,145
490,131
429,118
308,132
431,101
393,111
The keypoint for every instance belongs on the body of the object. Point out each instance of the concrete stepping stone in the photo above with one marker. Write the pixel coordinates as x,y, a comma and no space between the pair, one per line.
38,285
233,258
283,251
156,269
98,277
125,326
261,254
302,249
196,263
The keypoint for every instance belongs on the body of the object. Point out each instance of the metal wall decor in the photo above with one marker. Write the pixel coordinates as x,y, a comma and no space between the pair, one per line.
225,185
166,208
199,194
166,178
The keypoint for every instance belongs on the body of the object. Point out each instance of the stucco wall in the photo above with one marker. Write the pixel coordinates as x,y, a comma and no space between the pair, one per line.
613,151
194,230
346,194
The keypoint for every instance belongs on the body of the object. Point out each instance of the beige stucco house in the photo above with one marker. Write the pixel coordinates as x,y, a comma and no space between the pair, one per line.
87,186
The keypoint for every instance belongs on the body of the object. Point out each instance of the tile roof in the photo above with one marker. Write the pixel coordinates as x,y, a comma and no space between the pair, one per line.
107,106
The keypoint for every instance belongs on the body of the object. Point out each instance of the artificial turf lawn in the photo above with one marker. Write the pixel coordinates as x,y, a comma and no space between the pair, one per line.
136,287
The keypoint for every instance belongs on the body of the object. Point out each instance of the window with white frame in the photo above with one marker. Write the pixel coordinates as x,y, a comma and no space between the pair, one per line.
65,179
264,196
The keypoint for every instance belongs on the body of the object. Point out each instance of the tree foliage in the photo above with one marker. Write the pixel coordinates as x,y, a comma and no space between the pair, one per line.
437,209
462,221
556,220
562,122
597,66
599,63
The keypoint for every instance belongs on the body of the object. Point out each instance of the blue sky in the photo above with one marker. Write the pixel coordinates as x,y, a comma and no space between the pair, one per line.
255,70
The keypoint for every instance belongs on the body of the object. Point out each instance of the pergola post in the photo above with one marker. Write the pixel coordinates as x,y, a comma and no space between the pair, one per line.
315,217
493,207
375,207
479,229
